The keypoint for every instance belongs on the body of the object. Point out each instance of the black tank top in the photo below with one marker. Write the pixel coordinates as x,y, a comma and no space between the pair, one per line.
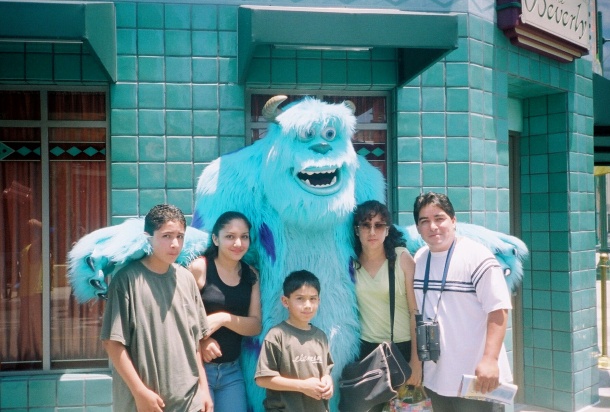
219,297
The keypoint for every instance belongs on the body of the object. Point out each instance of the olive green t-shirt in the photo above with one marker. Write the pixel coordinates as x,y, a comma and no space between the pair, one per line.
298,354
160,320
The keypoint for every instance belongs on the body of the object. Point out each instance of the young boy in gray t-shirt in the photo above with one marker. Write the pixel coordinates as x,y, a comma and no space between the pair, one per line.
294,364
152,325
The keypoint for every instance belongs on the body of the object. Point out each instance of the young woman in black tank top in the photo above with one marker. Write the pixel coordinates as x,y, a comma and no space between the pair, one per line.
231,296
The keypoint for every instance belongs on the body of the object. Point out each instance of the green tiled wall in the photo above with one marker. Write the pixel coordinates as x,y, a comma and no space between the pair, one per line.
457,143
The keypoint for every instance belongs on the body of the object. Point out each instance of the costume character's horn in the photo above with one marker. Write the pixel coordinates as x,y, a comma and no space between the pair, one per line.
270,110
350,105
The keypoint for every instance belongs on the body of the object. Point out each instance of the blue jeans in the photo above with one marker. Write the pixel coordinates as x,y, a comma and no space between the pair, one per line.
227,386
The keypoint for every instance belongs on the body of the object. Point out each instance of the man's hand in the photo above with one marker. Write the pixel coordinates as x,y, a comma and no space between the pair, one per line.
416,373
210,350
488,374
148,401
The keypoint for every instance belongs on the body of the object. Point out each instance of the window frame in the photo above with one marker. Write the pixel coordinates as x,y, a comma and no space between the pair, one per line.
45,124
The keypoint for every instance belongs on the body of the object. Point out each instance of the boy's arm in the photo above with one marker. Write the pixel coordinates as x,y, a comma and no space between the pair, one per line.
208,404
312,387
146,399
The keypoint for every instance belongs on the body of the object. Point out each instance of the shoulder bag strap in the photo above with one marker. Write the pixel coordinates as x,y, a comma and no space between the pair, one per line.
392,280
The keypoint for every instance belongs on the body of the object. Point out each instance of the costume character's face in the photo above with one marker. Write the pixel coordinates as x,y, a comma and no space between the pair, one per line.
436,228
233,240
309,172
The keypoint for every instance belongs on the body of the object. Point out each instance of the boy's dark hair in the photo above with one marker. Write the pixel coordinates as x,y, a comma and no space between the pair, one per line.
299,278
161,214
365,212
432,198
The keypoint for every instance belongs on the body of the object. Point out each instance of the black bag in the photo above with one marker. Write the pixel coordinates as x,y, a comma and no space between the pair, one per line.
374,379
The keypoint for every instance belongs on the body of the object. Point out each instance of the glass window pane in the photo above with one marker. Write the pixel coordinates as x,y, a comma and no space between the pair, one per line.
19,105
78,207
77,106
20,266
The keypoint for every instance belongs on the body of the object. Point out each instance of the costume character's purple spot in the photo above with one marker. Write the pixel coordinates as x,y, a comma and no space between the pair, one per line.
266,238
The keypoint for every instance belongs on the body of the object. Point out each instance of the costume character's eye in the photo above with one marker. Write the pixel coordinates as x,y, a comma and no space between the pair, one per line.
329,133
308,134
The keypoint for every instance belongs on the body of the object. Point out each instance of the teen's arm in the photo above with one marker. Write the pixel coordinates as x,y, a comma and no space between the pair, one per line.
407,264
146,399
312,387
488,371
244,325
208,404
198,267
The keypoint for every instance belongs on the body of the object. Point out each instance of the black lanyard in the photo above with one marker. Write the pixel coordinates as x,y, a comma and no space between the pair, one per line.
427,278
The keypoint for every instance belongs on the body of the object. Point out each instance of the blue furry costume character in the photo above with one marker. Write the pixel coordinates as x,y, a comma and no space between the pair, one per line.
298,186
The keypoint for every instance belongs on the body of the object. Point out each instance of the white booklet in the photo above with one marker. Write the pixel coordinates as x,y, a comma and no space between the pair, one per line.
505,393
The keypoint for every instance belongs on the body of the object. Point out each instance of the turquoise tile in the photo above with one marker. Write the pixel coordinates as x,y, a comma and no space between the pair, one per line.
457,74
358,72
227,18
461,53
177,16
150,15
384,73
42,392
177,43
126,68
205,149
67,67
151,149
433,99
227,43
205,96
123,95
227,70
457,124
542,338
408,99
543,358
151,95
178,69
562,341
152,175
458,149
433,149
125,14
97,390
124,122
543,377
309,72
179,175
179,149
231,96
179,122
151,42
476,54
476,101
205,43
205,70
71,409
408,124
151,69
231,144
126,41
178,96
283,72
433,124
205,122
98,408
232,123
150,198
183,198
70,392
458,174
460,198
478,199
409,174
124,176
151,122
39,66
457,100
408,149
13,393
434,76
205,17
433,174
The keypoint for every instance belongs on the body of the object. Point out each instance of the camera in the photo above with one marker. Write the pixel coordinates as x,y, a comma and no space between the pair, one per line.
428,339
